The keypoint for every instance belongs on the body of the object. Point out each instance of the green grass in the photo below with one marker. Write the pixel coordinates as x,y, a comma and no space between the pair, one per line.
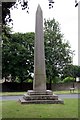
12,93
13,109
66,92
55,92
0,110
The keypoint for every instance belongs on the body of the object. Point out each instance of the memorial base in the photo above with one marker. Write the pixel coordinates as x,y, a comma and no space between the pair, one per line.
36,97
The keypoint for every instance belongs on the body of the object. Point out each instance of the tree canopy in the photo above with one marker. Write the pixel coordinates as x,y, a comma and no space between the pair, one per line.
71,70
58,53
18,56
18,53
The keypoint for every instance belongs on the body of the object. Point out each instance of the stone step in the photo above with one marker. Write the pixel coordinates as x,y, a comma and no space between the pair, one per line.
23,101
40,97
32,92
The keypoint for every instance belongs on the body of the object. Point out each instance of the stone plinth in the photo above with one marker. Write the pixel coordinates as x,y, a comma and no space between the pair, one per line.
32,92
36,97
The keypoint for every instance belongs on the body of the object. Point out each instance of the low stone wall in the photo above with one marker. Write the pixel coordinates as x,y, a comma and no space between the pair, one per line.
65,86
29,86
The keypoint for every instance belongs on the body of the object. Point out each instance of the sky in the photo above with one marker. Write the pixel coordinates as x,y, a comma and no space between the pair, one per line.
64,12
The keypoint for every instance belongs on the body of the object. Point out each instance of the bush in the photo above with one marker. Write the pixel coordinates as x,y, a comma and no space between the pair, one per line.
68,79
56,80
29,81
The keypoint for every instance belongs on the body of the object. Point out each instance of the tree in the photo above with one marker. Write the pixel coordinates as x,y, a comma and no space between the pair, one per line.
5,51
24,54
78,71
18,53
68,79
71,70
18,56
6,16
58,53
6,12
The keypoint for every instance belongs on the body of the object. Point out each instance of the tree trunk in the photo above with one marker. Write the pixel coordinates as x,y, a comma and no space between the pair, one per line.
50,84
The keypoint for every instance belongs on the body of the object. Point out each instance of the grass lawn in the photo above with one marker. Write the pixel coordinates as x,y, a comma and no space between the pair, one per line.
21,93
12,93
0,110
13,109
66,92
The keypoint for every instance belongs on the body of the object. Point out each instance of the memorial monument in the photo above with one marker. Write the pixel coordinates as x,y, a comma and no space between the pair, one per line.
39,94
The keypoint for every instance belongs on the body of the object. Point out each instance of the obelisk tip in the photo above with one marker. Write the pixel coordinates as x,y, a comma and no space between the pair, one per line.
39,7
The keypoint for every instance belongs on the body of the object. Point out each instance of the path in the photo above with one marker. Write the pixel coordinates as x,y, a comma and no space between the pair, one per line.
62,96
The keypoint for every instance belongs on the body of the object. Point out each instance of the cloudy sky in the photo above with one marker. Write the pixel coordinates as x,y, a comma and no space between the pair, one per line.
64,12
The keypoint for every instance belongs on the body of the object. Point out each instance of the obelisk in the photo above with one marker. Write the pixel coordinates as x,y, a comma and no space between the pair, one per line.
39,94
39,82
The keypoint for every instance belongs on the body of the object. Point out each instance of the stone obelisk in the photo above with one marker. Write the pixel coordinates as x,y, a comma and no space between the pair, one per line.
39,83
39,94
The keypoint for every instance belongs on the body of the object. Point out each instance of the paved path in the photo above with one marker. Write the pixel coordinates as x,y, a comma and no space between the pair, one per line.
62,96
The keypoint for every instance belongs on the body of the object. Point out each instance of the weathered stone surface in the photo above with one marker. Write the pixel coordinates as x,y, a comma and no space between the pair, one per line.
40,97
39,83
47,92
23,101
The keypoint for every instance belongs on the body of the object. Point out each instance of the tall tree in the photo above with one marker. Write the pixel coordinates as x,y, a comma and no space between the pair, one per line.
58,53
5,50
18,56
24,54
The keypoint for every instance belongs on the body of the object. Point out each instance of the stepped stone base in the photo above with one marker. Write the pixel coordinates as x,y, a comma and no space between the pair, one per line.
35,97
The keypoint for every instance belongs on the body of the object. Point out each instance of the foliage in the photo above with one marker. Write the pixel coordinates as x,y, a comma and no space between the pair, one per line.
18,53
56,80
76,71
6,16
6,6
68,79
71,70
5,50
18,56
29,80
23,46
6,12
58,53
